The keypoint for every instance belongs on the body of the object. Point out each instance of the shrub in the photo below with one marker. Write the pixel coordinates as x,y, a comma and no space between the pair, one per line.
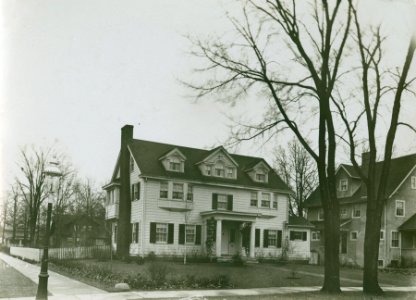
237,260
151,256
158,272
139,260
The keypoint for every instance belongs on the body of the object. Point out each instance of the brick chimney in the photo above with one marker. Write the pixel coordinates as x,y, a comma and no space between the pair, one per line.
124,228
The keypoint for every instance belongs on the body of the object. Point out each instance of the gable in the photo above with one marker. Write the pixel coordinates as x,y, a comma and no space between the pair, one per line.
173,161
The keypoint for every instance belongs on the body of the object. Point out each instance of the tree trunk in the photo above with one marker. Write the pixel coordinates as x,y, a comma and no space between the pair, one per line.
371,249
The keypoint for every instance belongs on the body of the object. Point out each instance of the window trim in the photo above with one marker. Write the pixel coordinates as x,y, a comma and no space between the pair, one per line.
167,189
317,234
413,182
167,233
268,238
341,181
186,234
174,192
353,212
254,199
391,239
404,208
351,237
263,200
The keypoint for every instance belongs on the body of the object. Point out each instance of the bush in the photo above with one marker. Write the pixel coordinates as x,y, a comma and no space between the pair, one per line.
139,260
237,260
158,272
151,256
5,249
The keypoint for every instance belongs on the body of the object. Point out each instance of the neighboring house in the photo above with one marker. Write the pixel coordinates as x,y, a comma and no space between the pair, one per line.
398,229
74,230
179,196
7,238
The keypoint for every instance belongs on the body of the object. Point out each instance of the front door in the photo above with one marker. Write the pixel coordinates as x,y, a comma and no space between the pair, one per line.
228,241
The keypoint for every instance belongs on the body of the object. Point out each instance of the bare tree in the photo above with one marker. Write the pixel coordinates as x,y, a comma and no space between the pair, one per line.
32,185
295,166
380,94
88,200
293,57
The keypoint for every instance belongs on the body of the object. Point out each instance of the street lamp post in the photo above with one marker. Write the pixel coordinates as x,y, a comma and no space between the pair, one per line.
52,170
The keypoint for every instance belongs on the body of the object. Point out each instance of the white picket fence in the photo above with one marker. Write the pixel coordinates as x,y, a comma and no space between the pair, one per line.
35,254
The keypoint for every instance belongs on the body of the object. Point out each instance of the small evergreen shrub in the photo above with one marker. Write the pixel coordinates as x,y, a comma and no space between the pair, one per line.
151,256
158,272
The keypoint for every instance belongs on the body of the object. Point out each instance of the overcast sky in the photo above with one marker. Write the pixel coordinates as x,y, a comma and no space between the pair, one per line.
73,72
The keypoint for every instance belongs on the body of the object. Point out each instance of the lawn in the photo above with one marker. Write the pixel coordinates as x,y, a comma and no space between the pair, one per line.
14,284
257,275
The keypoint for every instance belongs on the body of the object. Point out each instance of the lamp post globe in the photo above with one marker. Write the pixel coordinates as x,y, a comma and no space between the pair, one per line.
51,173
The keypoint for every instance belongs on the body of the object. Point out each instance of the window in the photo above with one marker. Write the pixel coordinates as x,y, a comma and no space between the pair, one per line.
131,164
413,182
354,235
381,235
177,191
321,214
135,233
230,172
275,204
190,194
222,202
115,231
164,190
400,208
190,234
219,171
273,238
161,233
175,166
135,191
316,235
342,212
265,200
356,212
343,185
394,239
380,263
260,177
253,199
298,236
208,170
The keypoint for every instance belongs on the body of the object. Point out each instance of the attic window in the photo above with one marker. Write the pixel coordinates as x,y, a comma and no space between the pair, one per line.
260,177
174,166
343,185
413,183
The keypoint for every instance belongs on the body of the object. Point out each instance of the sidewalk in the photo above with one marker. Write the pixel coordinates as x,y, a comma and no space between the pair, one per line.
58,285
64,288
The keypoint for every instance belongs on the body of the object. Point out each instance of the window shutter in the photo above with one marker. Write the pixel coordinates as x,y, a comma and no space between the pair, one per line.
230,202
153,232
171,228
137,232
138,190
304,236
132,192
181,234
214,201
257,238
265,239
198,235
279,239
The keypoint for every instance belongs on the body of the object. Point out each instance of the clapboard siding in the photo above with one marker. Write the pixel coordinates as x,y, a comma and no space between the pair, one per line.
147,210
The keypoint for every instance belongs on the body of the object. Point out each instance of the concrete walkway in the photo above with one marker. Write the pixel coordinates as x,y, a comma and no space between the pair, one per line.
64,288
58,285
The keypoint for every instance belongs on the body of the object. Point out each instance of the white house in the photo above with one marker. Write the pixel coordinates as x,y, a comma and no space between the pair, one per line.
164,197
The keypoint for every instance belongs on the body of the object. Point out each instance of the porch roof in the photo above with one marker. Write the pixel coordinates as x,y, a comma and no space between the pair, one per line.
409,224
230,215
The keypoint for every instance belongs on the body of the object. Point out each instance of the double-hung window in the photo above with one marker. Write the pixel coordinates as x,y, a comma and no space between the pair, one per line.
320,214
222,202
161,233
273,238
413,182
260,177
135,233
253,199
354,235
400,208
316,235
219,171
175,166
394,239
298,236
230,172
190,233
265,200
164,187
356,212
343,185
177,191
190,193
342,213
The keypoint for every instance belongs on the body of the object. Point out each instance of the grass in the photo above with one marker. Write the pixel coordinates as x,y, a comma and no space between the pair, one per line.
253,276
14,284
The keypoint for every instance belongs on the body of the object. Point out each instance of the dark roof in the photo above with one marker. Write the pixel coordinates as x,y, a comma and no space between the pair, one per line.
147,155
299,222
409,224
399,169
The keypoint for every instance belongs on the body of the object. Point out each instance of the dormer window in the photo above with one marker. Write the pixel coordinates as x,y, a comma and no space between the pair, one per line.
230,172
260,177
219,171
219,164
208,170
343,185
174,161
174,166
413,182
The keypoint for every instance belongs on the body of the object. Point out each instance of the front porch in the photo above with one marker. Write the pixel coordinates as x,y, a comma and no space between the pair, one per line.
232,233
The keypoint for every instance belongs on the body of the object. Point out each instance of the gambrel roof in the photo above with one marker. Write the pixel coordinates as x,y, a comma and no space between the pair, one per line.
147,155
400,169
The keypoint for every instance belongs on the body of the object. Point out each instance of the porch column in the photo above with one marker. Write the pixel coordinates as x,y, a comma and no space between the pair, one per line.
252,240
218,238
